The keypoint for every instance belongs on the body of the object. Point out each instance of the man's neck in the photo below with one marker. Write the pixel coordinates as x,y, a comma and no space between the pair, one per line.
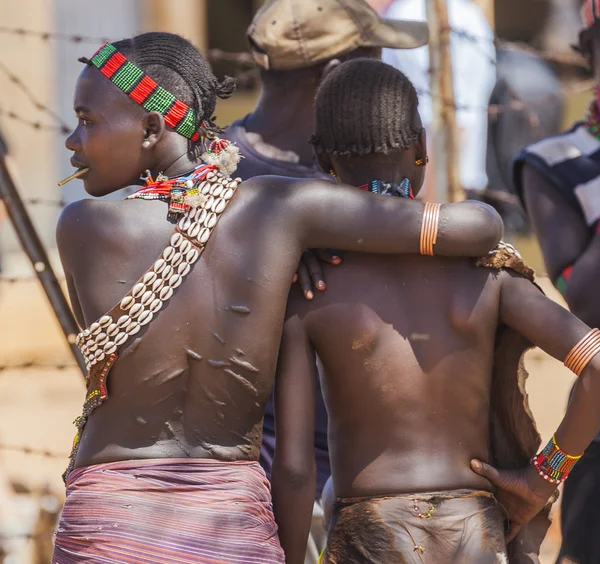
280,126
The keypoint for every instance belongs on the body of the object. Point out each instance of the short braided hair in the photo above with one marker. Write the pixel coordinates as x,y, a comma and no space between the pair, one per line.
365,106
179,67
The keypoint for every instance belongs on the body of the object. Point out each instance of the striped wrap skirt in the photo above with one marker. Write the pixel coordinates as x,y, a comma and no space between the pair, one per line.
168,511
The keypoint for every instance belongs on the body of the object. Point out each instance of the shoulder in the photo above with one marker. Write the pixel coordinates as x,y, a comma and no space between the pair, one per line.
283,187
75,216
79,220
549,157
506,259
562,147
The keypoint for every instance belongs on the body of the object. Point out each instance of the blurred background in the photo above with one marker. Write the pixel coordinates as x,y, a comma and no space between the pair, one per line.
41,389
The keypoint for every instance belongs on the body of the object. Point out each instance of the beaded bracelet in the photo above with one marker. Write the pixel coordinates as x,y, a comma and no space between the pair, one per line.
553,464
429,228
583,352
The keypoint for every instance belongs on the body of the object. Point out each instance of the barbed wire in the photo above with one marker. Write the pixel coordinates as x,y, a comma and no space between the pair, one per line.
32,98
19,279
33,364
47,36
249,76
37,125
45,202
33,451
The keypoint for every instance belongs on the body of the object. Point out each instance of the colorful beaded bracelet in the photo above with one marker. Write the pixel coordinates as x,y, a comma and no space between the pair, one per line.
553,464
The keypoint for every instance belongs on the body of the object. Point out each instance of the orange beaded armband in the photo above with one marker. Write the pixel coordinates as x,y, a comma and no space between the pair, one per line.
429,228
583,352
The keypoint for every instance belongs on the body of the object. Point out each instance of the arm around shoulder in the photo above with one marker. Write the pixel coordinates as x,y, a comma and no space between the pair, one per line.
336,216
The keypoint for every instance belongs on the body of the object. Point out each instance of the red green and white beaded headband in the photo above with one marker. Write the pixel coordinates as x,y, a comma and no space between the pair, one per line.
132,80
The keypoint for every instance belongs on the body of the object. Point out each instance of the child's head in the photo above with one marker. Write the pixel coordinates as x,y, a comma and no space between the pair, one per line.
366,114
142,103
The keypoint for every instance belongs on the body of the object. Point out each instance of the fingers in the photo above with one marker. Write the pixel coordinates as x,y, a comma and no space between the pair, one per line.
328,255
487,471
304,281
314,269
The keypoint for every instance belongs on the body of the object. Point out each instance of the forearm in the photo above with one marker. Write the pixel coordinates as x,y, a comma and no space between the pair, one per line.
582,419
379,224
581,284
293,500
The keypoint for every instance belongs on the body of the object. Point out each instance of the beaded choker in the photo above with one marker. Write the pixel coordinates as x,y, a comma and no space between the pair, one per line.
592,120
403,190
132,80
189,190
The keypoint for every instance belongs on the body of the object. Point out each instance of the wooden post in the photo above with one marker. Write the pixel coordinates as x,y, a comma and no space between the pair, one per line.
32,245
443,131
184,17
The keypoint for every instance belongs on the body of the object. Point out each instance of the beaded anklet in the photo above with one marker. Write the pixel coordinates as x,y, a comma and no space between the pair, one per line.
553,464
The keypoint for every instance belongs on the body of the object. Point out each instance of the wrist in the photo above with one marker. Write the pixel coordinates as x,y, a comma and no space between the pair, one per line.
541,487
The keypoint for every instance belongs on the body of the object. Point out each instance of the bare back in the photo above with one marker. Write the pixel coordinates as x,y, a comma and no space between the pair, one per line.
196,382
407,347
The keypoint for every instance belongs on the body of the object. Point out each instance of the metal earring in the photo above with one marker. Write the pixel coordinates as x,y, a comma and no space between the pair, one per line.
332,172
421,162
146,144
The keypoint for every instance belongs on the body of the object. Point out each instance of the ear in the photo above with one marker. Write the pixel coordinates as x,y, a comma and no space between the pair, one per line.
154,126
324,162
329,67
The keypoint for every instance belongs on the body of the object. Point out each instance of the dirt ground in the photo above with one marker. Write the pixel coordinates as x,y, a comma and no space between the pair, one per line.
38,405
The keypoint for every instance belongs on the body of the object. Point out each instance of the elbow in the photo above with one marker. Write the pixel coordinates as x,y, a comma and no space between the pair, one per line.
487,227
295,474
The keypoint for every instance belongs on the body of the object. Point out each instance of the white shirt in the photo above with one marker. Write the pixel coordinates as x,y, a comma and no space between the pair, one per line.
474,71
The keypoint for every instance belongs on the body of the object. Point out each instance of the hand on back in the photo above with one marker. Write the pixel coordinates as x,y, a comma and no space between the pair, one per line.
522,493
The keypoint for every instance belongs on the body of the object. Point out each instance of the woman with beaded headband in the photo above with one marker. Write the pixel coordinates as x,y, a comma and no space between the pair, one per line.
421,368
182,329
558,180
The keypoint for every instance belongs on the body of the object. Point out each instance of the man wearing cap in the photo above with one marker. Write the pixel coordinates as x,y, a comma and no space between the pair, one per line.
558,180
295,43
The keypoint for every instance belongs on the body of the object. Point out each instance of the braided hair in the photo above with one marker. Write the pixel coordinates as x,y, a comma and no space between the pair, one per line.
175,64
365,106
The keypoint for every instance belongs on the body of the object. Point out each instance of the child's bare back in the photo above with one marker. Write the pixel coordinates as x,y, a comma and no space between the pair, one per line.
409,362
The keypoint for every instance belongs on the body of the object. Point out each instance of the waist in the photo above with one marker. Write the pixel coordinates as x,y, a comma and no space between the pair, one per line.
429,497
399,472
170,474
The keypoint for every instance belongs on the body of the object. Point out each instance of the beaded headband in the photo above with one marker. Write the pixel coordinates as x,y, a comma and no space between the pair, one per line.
132,80
590,12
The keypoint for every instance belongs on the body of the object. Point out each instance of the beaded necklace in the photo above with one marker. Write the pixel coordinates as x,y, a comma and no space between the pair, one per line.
403,190
188,190
592,120
181,192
